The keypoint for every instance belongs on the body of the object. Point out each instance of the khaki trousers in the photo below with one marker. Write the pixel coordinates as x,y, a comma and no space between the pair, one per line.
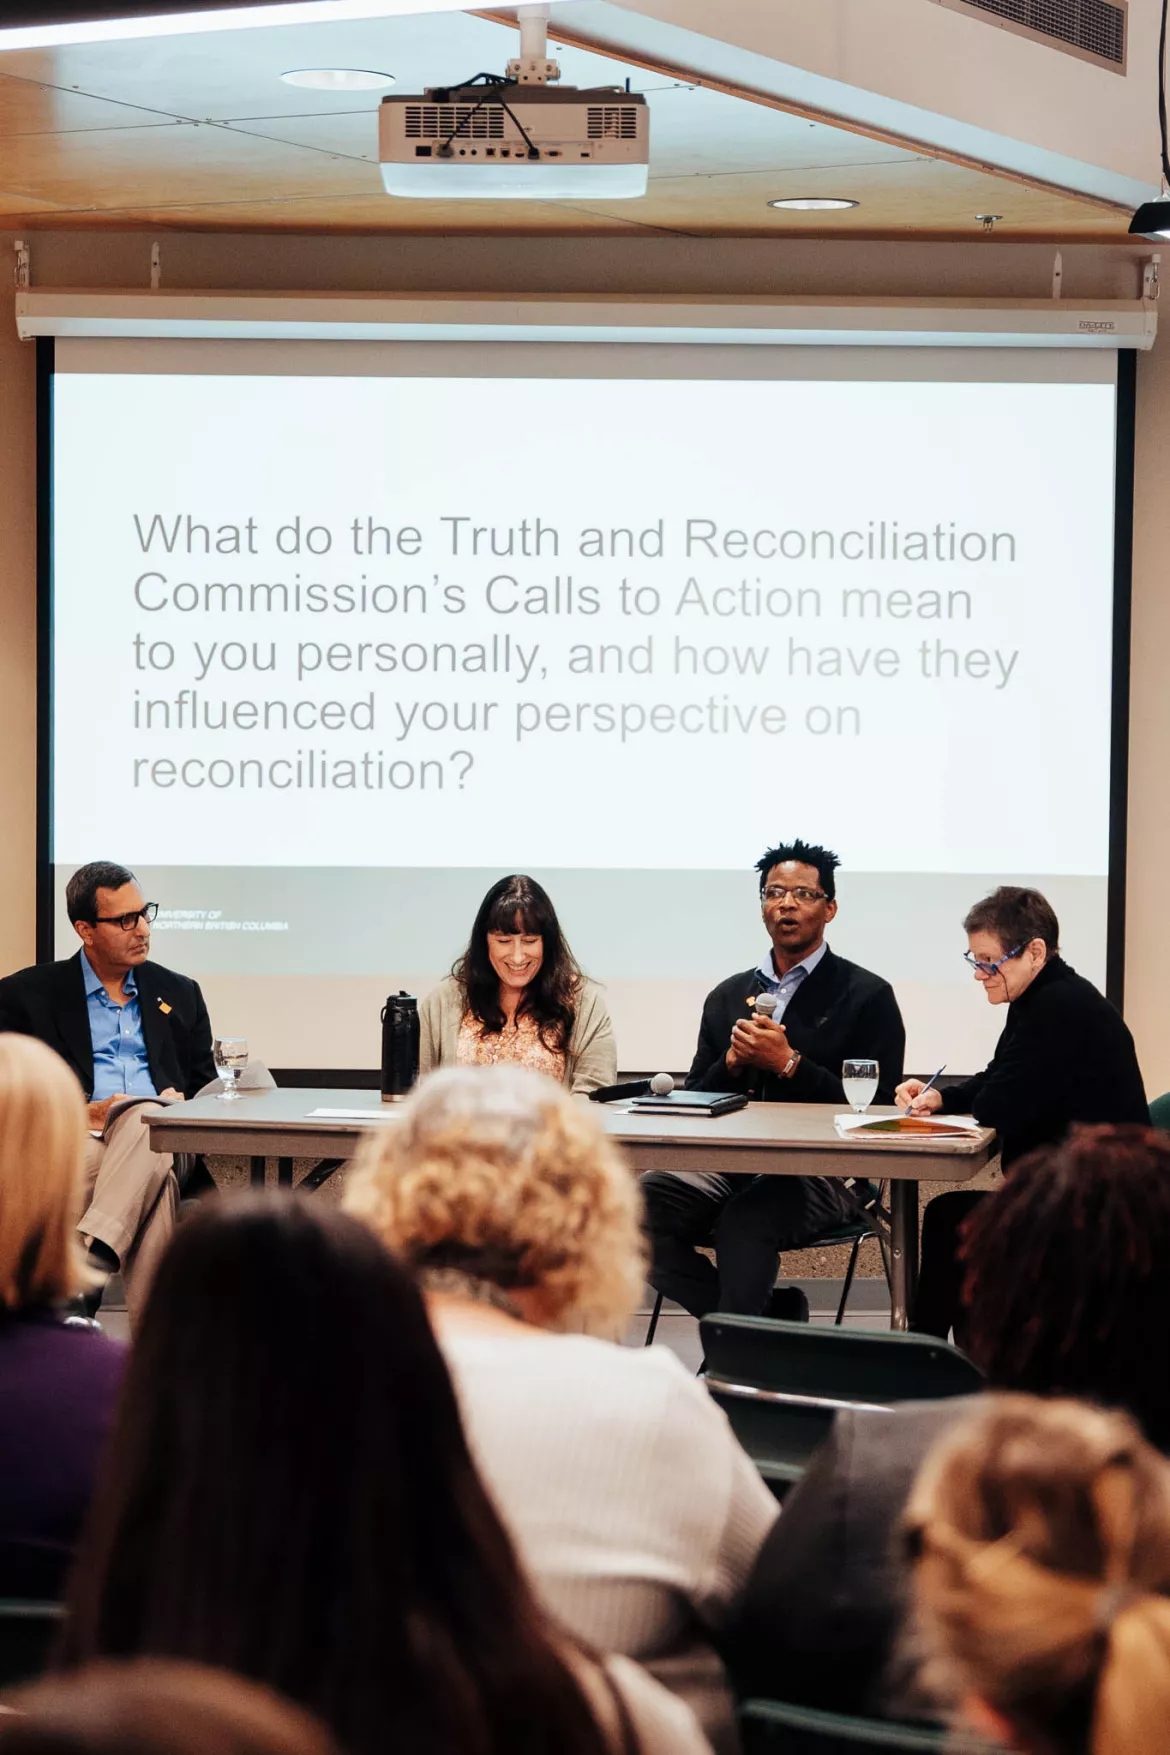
133,1199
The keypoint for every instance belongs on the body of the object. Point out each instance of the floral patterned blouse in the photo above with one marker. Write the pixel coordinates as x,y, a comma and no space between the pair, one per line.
517,1044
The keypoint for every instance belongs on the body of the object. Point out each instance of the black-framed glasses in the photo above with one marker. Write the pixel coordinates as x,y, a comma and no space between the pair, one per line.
990,968
777,893
128,922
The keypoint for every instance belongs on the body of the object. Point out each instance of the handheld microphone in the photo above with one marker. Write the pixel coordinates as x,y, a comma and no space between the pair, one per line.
766,1004
662,1084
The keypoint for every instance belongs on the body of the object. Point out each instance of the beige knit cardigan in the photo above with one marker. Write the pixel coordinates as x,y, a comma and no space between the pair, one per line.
591,1059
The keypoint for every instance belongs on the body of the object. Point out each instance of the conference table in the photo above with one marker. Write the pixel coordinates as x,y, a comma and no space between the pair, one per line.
770,1139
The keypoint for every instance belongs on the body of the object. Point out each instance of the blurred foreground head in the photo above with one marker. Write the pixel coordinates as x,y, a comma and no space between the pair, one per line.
42,1149
1040,1538
1067,1283
154,1708
494,1177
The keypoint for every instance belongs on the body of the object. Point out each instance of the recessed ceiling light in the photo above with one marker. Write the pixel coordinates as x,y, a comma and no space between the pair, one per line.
814,203
338,78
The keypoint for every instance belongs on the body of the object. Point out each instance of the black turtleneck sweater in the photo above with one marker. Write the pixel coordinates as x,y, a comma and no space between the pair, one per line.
1065,1055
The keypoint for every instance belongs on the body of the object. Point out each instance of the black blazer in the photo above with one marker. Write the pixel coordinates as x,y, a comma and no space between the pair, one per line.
838,1012
47,1000
1065,1055
821,1620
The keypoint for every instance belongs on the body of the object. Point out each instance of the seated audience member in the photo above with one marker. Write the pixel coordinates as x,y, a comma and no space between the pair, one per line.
155,1708
827,1010
127,1028
1065,1055
1040,1536
1090,1221
516,996
58,1384
633,1506
288,1495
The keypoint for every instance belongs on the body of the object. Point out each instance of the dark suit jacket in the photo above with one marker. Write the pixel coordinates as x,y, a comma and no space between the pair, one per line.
1065,1055
821,1619
47,1000
838,1012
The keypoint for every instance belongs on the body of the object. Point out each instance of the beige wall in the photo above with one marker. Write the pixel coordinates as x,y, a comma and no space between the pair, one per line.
655,265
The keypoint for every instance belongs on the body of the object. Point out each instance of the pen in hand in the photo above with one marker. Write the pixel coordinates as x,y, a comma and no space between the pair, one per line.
926,1087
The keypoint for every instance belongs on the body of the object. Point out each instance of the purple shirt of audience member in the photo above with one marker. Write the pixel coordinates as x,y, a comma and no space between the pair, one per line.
58,1387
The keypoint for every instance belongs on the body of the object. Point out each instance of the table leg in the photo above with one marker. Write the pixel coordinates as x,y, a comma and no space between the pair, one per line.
258,1167
284,1172
903,1250
316,1177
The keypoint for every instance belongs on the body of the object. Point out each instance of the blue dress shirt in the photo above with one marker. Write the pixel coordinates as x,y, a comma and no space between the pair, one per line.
120,1063
784,986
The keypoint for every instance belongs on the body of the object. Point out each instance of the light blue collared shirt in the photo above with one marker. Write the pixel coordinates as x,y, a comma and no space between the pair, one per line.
784,986
120,1063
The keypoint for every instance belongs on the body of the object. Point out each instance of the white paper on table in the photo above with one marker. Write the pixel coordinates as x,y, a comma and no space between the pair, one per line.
848,1124
353,1114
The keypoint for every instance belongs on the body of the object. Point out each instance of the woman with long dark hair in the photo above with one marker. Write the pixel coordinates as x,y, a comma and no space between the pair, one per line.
289,1495
517,996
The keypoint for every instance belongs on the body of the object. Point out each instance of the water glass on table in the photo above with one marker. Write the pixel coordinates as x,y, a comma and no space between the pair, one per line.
860,1079
231,1057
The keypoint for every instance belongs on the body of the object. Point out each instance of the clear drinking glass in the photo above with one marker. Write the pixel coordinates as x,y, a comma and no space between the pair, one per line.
231,1057
860,1079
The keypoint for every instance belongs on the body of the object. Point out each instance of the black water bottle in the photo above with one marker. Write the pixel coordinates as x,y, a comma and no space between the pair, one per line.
400,1034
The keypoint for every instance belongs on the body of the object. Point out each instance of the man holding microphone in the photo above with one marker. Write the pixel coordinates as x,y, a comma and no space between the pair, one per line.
825,1010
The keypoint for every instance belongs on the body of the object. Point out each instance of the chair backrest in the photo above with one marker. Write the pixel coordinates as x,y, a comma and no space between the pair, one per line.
1160,1113
771,1727
27,1632
781,1383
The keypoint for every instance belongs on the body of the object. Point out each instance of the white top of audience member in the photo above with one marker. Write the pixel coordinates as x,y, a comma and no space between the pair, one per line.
633,1506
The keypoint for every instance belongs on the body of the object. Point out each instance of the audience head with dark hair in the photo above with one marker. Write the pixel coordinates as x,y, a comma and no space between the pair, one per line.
289,1495
1085,1309
1040,1537
150,1707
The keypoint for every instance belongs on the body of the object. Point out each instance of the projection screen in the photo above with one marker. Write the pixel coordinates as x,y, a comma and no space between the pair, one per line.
342,632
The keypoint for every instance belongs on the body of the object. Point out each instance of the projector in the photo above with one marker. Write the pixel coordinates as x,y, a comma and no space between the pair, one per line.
515,142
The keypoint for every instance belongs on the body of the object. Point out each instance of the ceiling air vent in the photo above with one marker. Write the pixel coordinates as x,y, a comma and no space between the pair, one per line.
1094,30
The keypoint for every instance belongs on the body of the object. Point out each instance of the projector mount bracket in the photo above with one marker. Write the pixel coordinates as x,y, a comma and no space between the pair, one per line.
532,66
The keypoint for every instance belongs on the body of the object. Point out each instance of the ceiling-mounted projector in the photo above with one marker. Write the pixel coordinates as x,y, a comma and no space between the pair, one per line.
511,138
515,142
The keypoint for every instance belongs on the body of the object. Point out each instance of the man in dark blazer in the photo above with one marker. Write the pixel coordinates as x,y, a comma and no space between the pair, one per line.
828,1010
127,1027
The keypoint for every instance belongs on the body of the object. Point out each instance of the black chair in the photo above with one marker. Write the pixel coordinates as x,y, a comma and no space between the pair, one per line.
782,1383
872,1221
27,1632
771,1727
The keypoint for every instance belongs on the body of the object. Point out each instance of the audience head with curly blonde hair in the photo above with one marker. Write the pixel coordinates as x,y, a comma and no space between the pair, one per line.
495,1183
1040,1533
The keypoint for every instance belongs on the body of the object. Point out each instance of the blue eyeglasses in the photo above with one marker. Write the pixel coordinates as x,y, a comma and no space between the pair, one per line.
990,968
